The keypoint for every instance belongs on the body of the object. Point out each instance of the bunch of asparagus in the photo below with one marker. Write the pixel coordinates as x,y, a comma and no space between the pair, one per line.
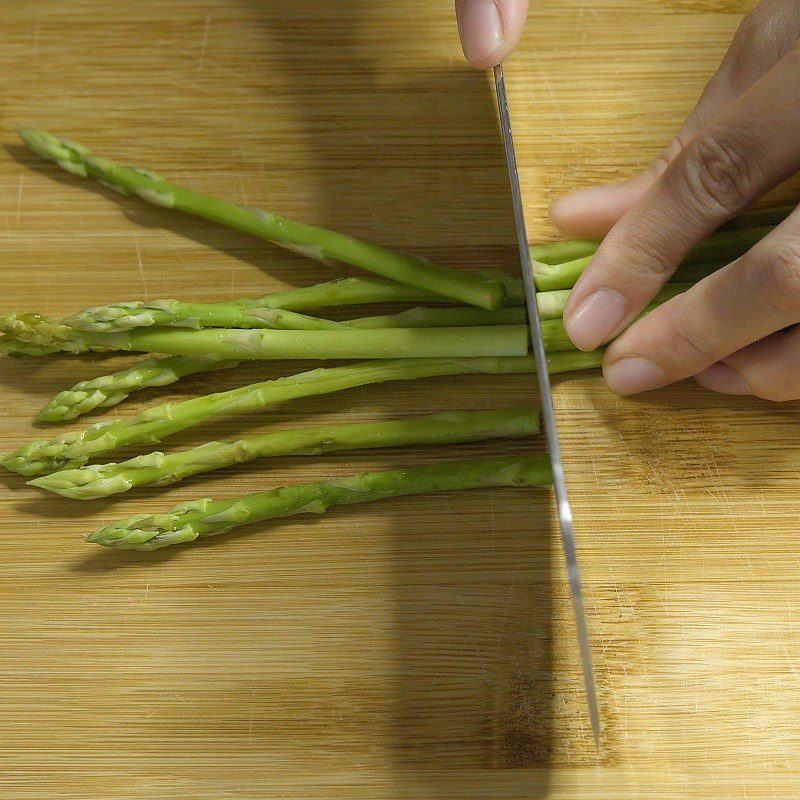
472,322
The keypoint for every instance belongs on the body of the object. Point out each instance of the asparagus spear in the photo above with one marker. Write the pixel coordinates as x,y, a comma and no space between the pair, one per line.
708,256
122,317
74,449
14,347
256,344
318,243
759,217
717,247
228,315
201,518
45,333
558,252
248,312
108,390
243,314
160,469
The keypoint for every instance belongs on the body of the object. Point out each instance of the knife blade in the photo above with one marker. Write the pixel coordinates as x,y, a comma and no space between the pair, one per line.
548,412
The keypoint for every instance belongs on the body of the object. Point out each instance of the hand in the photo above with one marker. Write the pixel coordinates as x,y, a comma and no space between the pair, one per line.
730,330
490,29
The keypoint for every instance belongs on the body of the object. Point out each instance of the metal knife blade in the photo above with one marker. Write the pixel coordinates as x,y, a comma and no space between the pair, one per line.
548,413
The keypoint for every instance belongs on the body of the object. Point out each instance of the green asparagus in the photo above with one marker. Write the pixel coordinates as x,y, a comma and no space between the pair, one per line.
45,333
558,252
74,449
108,390
249,312
256,344
123,317
712,253
164,468
202,518
14,347
466,287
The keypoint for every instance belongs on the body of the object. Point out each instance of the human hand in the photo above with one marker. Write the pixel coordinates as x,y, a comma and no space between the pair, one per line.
730,330
490,29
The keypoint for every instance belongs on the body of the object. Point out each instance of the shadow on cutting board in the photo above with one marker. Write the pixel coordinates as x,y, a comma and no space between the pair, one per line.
472,671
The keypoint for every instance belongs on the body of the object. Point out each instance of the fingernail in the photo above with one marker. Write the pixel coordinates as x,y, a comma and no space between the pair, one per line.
722,378
480,28
633,375
596,318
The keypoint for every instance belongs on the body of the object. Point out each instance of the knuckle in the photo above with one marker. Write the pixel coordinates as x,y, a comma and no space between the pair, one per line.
638,253
717,175
688,346
749,28
667,156
780,280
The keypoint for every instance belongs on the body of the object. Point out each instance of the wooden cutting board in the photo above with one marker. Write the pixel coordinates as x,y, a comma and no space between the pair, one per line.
424,648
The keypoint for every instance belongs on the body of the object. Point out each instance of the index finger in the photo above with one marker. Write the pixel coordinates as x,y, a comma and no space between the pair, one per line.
745,151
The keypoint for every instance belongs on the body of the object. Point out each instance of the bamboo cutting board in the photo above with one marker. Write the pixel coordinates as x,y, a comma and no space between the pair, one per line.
417,649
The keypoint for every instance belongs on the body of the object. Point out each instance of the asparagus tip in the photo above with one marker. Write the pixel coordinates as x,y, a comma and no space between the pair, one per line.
68,155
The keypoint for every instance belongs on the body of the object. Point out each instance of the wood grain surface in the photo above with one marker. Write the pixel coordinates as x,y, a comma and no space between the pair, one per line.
423,648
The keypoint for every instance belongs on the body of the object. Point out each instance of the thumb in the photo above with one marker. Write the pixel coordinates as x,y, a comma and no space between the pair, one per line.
490,29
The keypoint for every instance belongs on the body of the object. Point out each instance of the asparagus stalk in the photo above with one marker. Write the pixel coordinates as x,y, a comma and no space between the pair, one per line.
249,312
709,255
318,243
122,317
717,247
456,317
759,217
257,344
558,252
160,469
227,315
109,390
74,449
202,518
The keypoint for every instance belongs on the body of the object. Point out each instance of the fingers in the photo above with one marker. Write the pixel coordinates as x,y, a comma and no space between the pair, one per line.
490,29
745,151
742,303
763,38
769,369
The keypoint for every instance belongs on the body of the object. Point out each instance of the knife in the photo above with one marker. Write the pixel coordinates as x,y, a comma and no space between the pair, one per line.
548,413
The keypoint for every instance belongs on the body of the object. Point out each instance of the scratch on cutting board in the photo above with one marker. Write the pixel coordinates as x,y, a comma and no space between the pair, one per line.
36,42
204,43
242,191
505,612
141,267
19,196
